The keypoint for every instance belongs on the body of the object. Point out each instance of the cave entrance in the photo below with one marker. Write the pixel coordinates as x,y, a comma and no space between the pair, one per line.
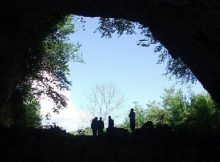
132,69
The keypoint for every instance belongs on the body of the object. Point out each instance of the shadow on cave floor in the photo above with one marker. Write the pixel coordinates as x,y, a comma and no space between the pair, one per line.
150,145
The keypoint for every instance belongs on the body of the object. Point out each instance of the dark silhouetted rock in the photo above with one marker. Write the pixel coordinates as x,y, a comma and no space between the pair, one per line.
117,132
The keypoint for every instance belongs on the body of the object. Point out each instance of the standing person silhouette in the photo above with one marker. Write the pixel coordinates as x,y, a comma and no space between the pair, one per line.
110,128
100,126
110,122
132,120
94,126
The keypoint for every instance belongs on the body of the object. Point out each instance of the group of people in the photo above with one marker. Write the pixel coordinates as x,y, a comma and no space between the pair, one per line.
97,126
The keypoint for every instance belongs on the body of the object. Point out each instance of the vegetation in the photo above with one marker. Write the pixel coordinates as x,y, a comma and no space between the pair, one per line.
45,74
50,75
198,111
104,100
27,113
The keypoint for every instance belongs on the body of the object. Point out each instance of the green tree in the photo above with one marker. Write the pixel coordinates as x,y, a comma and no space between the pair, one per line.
51,69
26,111
203,112
175,103
156,114
197,111
21,110
44,74
140,116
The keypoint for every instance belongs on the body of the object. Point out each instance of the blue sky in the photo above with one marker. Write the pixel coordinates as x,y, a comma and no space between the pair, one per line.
131,68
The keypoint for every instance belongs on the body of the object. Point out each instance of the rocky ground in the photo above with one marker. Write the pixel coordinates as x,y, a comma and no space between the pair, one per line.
155,145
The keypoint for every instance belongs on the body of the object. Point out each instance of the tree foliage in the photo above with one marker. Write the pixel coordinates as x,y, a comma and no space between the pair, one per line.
45,73
51,73
21,110
109,26
177,110
26,111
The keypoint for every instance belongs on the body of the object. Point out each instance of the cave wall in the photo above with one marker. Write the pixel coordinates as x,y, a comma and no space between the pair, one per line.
189,29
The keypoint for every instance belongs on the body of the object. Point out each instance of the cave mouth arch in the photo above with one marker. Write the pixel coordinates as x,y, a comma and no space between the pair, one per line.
104,63
187,29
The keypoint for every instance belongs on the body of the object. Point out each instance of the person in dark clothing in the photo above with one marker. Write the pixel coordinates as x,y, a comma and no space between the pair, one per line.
132,120
100,126
94,126
110,122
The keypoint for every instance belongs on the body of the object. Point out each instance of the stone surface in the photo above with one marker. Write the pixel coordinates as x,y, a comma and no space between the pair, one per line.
189,29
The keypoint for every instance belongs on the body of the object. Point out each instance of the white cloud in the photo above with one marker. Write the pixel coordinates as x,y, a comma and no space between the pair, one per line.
69,118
